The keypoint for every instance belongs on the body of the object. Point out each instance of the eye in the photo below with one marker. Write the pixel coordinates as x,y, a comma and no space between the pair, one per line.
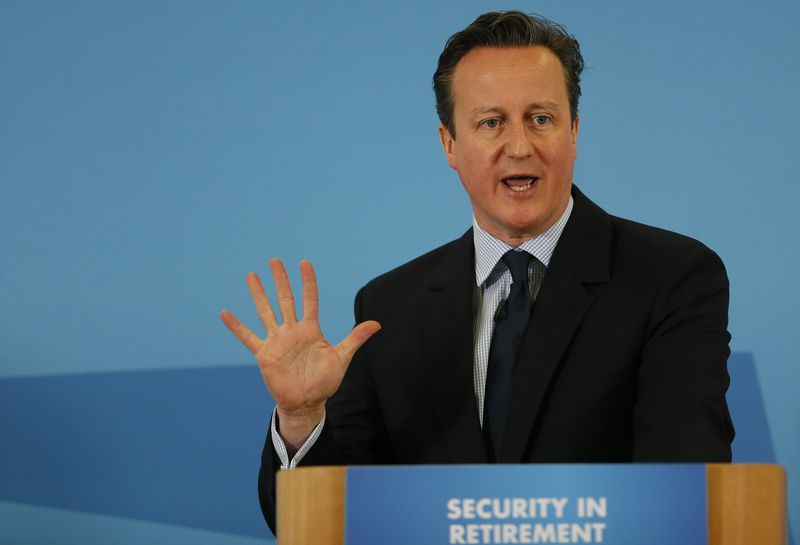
541,120
491,123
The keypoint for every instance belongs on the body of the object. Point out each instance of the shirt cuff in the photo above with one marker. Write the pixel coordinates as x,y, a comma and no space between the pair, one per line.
280,447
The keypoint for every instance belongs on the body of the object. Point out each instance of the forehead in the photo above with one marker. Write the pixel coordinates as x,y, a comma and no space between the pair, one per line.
530,73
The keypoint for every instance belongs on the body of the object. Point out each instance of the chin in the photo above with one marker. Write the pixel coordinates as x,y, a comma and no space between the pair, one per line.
522,226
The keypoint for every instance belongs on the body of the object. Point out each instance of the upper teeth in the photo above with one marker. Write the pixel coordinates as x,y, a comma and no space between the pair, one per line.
514,183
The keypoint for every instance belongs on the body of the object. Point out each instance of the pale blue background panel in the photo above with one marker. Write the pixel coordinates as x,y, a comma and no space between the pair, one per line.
152,153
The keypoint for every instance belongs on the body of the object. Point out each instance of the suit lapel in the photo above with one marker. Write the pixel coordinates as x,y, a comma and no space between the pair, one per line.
447,344
582,256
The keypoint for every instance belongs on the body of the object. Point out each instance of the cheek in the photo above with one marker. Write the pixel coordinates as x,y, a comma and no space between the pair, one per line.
477,168
560,158
477,163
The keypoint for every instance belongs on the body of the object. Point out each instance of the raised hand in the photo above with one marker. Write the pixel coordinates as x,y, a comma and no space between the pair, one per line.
300,367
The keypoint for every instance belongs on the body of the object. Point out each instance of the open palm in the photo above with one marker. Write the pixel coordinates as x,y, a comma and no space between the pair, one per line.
300,367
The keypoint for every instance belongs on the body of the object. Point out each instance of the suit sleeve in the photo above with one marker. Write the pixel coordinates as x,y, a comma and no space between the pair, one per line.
680,413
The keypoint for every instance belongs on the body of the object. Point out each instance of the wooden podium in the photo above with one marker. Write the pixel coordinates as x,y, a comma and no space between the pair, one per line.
746,505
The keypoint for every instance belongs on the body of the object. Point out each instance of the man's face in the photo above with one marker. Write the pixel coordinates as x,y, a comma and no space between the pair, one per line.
515,144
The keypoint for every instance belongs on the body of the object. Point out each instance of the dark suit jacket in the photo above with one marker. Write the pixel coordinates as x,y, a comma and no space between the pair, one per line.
624,359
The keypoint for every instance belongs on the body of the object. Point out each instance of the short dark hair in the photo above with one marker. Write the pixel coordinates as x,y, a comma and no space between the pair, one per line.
507,29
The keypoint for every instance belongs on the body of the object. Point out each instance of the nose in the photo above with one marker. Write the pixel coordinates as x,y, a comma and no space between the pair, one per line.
518,144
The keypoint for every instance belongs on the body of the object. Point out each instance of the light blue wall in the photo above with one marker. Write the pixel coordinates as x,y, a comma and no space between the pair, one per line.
151,153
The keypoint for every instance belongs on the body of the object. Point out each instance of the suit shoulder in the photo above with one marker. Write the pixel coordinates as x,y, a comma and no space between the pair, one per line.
592,235
426,268
648,244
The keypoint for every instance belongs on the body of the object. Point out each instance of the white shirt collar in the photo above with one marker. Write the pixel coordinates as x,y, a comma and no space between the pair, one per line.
489,250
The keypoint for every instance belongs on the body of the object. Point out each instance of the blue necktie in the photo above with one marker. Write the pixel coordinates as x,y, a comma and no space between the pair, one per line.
511,323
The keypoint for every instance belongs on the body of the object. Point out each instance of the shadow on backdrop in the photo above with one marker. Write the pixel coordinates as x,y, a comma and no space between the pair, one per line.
753,441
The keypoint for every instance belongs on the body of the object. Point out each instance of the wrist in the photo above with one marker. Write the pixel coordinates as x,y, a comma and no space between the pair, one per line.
295,426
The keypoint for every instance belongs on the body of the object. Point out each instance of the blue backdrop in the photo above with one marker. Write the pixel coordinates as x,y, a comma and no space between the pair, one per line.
152,153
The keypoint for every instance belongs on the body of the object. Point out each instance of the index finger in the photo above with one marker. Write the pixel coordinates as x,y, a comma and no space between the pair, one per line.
261,301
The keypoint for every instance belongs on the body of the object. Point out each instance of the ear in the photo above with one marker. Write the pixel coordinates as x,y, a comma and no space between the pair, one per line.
575,130
448,145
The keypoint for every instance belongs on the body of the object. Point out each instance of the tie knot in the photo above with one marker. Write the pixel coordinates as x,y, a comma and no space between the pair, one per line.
517,263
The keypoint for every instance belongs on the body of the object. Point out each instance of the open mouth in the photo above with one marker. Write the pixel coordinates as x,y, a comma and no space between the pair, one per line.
519,183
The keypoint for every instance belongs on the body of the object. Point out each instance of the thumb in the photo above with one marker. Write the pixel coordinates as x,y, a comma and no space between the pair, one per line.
357,337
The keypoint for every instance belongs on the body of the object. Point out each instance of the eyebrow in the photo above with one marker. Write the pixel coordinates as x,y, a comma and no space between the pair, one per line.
545,105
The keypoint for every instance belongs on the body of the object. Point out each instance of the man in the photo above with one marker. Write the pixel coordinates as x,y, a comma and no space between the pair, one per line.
549,332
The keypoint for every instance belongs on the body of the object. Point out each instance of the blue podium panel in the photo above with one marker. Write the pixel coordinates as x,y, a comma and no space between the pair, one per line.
616,504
